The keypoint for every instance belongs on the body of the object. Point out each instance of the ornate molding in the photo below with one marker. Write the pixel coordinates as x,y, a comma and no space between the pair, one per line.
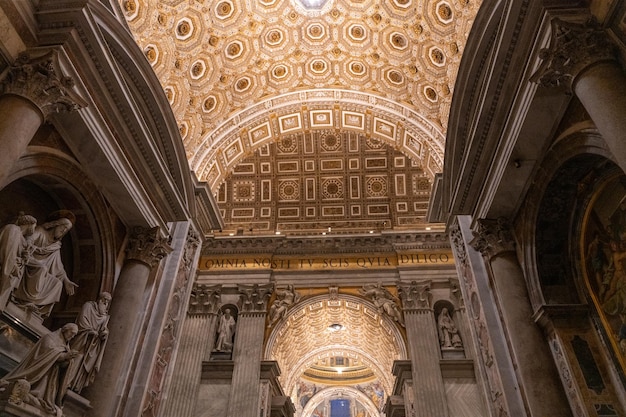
283,245
254,297
205,299
41,81
415,296
573,47
492,237
147,246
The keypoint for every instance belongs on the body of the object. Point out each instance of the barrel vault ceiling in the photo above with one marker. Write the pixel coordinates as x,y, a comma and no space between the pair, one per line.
309,116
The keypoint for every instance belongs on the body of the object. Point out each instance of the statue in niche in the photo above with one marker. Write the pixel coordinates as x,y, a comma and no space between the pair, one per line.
89,342
44,369
14,252
225,332
384,301
285,298
44,275
448,333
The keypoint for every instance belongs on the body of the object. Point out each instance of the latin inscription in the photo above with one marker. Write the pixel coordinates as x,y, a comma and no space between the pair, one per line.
351,262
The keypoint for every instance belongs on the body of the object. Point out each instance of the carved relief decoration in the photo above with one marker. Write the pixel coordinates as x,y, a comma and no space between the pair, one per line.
574,46
147,246
415,296
492,237
254,297
205,299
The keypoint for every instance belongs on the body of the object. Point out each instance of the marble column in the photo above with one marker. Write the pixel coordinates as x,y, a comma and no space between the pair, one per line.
33,89
421,330
195,347
583,59
248,350
537,375
144,251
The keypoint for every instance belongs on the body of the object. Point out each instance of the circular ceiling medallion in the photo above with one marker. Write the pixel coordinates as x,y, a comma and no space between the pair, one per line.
315,31
287,145
198,69
357,32
398,41
395,77
209,104
330,142
444,12
243,84
274,37
288,190
318,66
437,57
224,9
184,29
152,54
430,94
357,68
234,49
376,187
280,71
332,188
312,7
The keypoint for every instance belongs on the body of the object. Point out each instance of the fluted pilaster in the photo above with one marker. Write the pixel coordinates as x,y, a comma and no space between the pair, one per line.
419,318
196,340
535,370
248,350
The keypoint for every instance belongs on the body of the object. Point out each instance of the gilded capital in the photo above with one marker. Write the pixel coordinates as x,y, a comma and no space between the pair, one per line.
205,299
41,81
573,48
254,297
147,246
415,296
492,237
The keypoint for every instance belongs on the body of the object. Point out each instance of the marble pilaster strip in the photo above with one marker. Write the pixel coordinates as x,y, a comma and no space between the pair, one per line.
247,353
428,387
198,333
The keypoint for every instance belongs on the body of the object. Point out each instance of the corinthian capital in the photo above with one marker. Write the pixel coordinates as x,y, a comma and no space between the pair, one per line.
205,299
573,47
41,81
492,237
147,246
254,297
415,296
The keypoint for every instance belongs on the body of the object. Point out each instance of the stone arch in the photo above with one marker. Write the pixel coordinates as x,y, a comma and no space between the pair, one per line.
392,123
329,393
45,180
548,227
366,334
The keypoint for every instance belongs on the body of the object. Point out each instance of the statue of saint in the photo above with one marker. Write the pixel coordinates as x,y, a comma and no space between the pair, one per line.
44,275
448,333
384,301
225,332
285,298
44,368
89,342
14,253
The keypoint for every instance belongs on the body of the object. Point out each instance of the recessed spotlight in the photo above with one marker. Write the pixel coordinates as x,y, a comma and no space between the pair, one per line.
428,228
371,231
277,232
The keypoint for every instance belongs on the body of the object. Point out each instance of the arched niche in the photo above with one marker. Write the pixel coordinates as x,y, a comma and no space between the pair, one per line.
45,180
358,401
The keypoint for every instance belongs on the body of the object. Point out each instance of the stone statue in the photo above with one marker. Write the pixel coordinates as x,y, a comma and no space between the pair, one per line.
225,332
14,253
384,301
89,342
285,298
448,333
44,368
44,275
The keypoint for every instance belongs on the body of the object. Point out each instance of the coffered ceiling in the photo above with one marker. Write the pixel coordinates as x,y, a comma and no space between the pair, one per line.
243,77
